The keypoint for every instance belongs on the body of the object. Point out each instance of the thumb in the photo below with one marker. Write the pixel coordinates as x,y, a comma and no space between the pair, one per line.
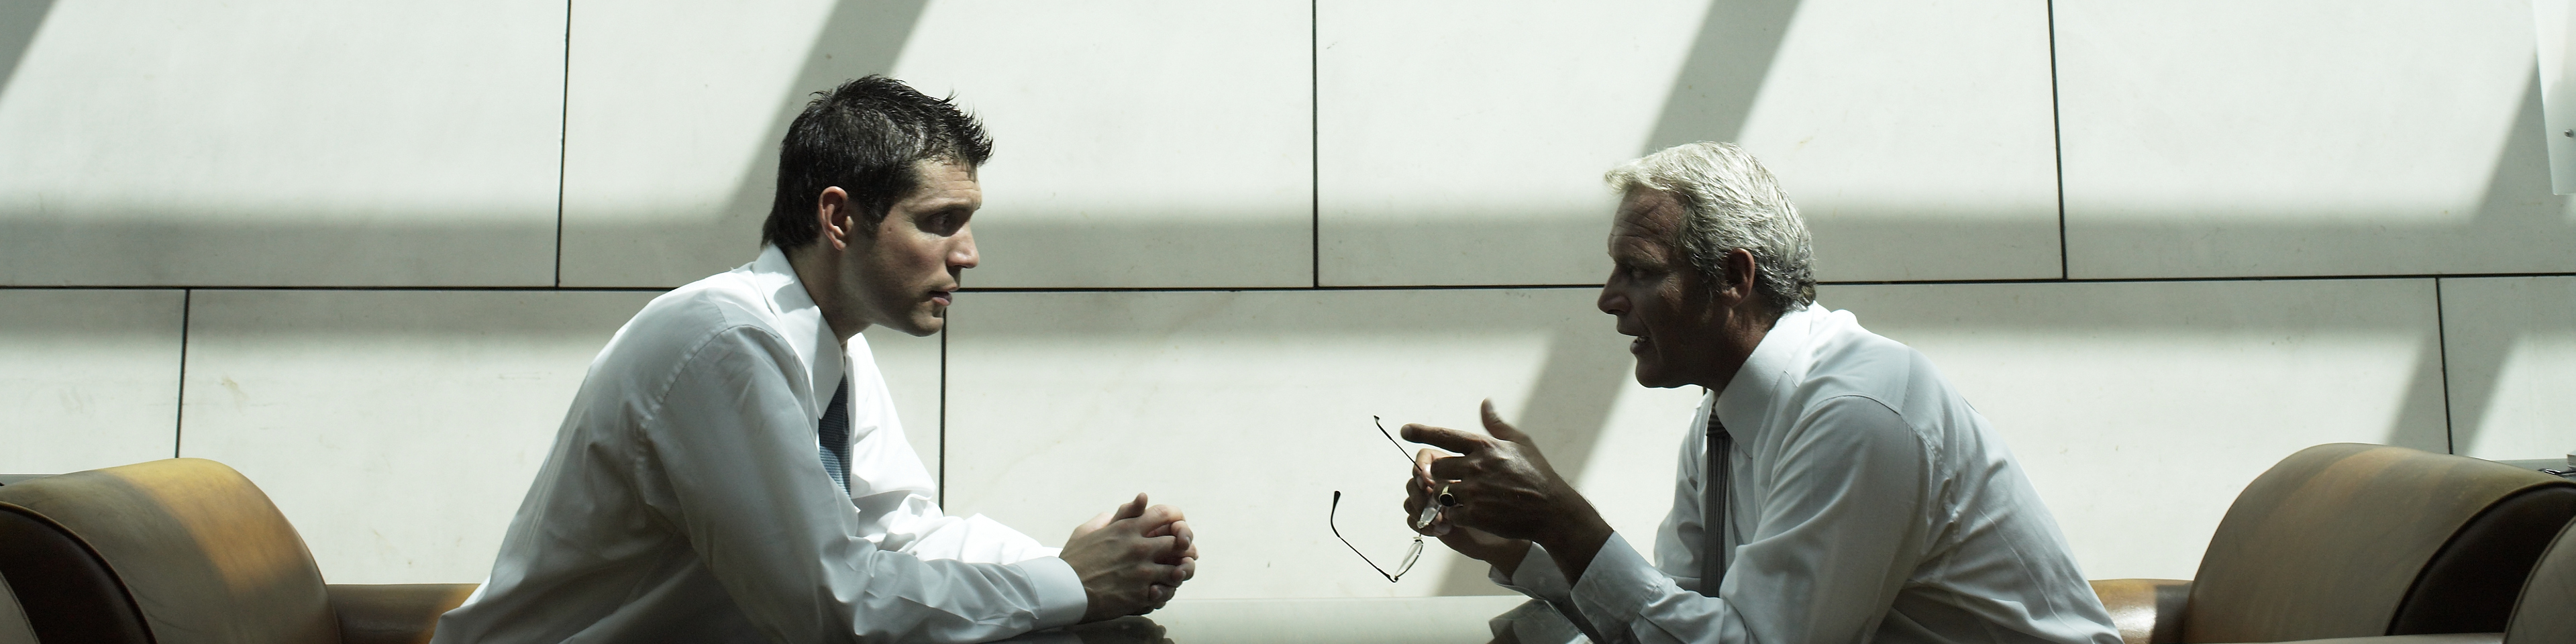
1494,425
1131,509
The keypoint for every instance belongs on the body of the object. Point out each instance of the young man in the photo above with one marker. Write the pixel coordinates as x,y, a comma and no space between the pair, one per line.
732,469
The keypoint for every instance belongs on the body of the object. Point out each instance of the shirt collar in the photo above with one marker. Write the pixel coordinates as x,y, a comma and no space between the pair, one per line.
1768,374
800,322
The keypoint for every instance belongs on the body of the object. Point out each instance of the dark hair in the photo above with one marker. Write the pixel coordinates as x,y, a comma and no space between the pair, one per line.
865,137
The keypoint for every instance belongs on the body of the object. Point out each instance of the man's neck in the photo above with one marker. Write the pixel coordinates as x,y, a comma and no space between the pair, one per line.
1742,333
818,270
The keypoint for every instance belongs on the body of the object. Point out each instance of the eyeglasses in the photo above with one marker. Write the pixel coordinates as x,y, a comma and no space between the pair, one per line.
1411,555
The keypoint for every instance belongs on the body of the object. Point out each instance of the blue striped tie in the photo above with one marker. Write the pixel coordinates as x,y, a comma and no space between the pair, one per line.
836,437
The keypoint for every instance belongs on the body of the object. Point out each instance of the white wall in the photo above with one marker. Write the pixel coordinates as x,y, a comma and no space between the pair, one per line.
365,253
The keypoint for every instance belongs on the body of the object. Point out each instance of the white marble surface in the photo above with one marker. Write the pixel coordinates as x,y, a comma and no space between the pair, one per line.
1247,410
1137,143
88,379
2511,344
2315,137
277,143
1463,143
397,430
2140,410
673,112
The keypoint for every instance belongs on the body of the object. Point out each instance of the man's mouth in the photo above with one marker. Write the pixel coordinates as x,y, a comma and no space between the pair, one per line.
940,297
1637,346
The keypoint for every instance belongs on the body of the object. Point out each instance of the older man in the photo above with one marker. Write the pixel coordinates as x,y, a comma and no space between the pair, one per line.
1832,484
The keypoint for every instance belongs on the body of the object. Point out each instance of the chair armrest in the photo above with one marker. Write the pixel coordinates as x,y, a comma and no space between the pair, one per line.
2147,611
393,613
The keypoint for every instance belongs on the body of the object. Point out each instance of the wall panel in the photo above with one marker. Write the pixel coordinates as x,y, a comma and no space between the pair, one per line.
1136,143
1463,143
397,430
276,143
2305,138
88,379
2511,346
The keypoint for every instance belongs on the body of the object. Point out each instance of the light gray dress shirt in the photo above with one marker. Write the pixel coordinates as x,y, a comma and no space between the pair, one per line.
685,499
1870,504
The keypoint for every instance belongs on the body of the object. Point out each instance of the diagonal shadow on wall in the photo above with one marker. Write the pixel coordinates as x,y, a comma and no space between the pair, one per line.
19,20
1709,101
2518,190
858,38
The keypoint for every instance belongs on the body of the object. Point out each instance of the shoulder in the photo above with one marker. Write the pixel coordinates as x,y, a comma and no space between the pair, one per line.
722,311
1846,360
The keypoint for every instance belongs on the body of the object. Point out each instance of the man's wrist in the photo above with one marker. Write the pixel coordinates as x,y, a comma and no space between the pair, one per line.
1573,546
1507,558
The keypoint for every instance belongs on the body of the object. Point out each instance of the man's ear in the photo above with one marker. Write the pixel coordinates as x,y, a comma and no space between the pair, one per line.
838,222
1739,276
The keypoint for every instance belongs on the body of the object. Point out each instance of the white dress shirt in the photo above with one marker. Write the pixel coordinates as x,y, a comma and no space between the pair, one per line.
685,499
1870,504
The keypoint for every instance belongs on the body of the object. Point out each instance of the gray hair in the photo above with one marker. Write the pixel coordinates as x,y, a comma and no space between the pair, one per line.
1730,202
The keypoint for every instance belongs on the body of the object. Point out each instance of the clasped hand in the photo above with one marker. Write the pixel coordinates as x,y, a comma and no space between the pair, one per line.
1131,559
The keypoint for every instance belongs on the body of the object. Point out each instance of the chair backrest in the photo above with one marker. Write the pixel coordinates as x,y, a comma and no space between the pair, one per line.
2546,613
13,621
2354,540
71,595
204,555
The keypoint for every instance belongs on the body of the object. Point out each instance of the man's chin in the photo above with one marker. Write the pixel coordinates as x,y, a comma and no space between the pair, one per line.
1652,375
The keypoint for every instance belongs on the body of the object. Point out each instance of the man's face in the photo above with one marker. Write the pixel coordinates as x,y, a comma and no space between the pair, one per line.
1656,295
908,267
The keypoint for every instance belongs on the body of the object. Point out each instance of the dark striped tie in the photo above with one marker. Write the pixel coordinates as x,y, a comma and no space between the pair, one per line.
836,437
1714,522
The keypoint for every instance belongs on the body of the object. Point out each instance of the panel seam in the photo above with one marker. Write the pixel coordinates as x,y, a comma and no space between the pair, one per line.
179,409
2442,362
2057,142
563,139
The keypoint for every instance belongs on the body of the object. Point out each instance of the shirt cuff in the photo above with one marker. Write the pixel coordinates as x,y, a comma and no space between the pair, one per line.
1617,585
1061,601
1537,576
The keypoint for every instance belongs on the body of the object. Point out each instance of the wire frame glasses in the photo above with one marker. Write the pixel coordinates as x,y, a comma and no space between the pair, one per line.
1411,555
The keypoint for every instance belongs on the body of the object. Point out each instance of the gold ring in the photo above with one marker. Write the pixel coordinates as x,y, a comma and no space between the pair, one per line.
1447,499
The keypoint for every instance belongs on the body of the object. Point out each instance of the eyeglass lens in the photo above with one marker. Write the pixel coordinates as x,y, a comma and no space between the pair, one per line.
1330,521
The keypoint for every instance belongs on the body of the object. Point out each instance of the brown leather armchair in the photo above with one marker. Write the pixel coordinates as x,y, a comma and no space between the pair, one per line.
182,551
2351,540
2546,612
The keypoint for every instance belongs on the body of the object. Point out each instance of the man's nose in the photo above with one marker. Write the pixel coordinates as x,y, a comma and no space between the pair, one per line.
1611,301
962,255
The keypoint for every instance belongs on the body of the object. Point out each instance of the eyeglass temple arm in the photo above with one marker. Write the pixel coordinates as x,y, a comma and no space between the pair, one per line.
1329,515
1390,439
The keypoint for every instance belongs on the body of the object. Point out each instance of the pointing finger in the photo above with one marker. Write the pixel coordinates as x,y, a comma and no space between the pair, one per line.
1445,438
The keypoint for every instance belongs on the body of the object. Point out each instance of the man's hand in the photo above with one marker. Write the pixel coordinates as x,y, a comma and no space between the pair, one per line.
1505,488
1419,493
1131,559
